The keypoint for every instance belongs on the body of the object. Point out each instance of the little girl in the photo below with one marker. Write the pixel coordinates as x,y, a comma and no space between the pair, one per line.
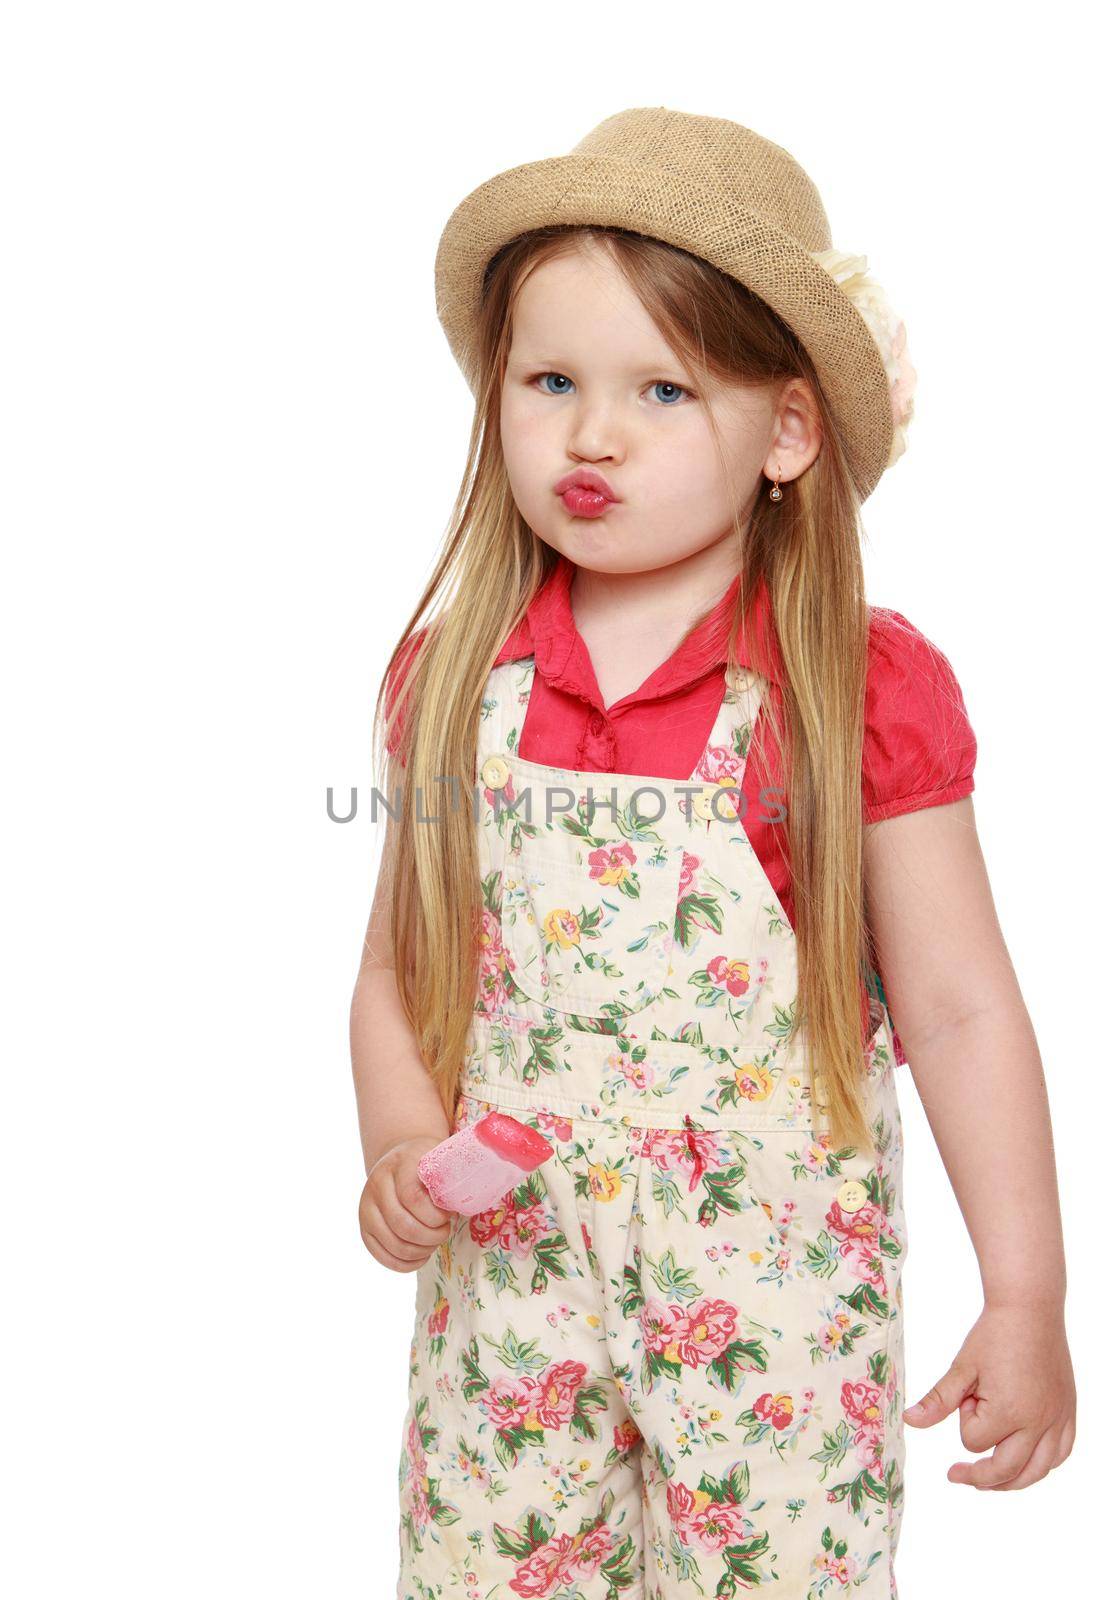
680,819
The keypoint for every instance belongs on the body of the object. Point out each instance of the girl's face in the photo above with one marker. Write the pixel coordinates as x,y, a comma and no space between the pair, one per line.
590,382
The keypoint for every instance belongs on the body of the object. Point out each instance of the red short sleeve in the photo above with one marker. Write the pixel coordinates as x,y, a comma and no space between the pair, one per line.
919,747
394,683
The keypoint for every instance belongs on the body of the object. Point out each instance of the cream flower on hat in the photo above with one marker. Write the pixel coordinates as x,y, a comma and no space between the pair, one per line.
887,328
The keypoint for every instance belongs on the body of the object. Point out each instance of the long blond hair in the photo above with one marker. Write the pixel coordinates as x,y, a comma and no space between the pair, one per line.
806,550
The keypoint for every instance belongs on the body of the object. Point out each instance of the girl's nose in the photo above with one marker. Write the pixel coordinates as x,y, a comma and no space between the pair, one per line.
597,435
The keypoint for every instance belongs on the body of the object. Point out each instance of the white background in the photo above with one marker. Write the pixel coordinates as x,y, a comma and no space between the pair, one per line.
232,433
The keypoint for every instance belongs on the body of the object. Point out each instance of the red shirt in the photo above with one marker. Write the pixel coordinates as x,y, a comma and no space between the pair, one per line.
919,748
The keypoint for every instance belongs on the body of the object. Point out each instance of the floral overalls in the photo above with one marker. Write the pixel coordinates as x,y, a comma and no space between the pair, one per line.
670,1363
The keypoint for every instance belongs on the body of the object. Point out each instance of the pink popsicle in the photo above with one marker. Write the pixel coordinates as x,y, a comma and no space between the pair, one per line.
472,1169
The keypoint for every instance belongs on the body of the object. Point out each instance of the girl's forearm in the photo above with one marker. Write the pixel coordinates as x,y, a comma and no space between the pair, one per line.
982,1084
396,1096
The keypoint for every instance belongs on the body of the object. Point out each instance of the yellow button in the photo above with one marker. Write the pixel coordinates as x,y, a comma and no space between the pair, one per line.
494,772
704,805
852,1195
701,804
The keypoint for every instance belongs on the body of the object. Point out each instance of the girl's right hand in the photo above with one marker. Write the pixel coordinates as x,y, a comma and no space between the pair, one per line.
400,1224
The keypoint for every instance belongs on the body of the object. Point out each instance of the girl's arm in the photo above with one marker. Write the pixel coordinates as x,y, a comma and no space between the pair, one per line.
971,1049
399,1110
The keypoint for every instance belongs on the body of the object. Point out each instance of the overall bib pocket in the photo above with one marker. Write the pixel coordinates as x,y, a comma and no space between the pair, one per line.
590,937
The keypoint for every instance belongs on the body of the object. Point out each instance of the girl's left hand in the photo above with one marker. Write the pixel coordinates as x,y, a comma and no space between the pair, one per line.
1013,1381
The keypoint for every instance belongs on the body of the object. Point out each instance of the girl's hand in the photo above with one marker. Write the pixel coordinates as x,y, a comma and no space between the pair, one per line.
400,1224
1012,1379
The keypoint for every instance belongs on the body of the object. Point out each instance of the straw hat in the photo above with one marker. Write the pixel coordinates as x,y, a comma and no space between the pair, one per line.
724,193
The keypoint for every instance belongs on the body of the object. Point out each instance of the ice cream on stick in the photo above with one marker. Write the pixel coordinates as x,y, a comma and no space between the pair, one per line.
472,1169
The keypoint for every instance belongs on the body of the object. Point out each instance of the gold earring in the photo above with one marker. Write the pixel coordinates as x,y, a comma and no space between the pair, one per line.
775,492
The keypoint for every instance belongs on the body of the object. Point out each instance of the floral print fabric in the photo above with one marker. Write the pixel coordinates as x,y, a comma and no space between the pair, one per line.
670,1363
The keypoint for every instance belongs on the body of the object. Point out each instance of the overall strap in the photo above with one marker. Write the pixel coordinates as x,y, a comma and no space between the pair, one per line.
727,746
503,712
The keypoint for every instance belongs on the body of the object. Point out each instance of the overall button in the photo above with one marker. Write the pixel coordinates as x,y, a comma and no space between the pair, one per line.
703,804
852,1195
494,772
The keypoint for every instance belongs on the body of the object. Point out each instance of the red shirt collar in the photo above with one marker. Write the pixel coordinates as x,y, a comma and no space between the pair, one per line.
548,632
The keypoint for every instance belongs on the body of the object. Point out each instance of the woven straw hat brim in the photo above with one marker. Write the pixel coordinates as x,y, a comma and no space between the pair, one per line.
606,191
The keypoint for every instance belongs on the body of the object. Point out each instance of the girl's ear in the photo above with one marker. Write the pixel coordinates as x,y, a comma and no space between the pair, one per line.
798,432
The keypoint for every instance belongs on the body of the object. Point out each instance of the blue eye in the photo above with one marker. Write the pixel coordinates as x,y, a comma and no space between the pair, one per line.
560,375
663,384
